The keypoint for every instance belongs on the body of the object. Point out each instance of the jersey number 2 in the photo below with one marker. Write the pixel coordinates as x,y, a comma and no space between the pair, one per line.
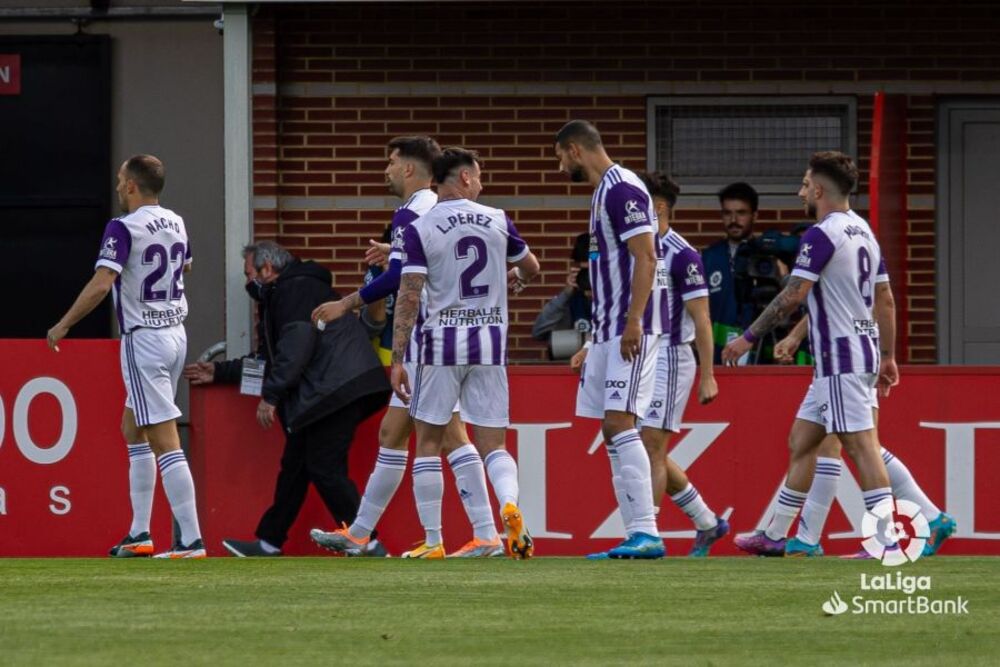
158,255
466,289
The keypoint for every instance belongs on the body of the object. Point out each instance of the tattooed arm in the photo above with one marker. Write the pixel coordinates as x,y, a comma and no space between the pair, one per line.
405,315
780,308
407,305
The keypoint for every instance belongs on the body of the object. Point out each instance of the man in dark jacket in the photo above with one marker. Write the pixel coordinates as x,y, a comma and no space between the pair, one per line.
320,385
730,315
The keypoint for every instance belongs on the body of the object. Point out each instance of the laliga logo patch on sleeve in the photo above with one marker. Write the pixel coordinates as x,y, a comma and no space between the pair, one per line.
694,275
804,260
110,249
634,214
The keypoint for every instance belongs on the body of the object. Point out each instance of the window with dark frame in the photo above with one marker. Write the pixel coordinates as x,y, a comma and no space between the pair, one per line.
707,142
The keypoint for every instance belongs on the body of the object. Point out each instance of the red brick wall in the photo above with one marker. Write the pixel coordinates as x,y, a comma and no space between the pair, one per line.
332,145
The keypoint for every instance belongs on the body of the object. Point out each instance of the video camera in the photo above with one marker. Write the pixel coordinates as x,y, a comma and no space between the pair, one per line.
755,271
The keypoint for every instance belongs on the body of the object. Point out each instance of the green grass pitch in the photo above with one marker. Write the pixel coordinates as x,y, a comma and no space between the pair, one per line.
330,611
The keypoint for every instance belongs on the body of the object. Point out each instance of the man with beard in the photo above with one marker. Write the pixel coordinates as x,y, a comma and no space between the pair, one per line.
730,316
617,382
840,272
409,175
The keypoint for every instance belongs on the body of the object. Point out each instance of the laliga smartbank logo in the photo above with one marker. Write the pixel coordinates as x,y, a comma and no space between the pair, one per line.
895,536
835,606
912,597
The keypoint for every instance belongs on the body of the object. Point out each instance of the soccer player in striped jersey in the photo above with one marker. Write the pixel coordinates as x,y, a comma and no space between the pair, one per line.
837,271
456,255
823,489
144,255
617,380
680,302
409,175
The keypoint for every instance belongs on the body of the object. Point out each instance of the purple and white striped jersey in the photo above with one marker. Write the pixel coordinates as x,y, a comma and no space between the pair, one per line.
620,209
680,276
462,248
149,249
417,205
841,255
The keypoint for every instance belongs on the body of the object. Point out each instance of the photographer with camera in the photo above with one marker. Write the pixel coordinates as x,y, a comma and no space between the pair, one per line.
745,272
565,319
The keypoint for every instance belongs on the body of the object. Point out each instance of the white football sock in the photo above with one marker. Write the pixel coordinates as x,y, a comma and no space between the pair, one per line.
789,504
179,487
470,480
390,466
502,469
904,486
819,500
691,503
874,496
636,480
428,489
141,485
619,485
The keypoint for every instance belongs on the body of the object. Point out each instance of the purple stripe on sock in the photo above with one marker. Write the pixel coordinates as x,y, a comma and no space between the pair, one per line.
497,454
687,497
467,459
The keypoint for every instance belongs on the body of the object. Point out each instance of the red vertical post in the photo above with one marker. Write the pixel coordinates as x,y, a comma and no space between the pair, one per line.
887,203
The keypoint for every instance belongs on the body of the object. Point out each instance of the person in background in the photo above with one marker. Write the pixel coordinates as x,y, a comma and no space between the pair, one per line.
730,316
570,309
320,386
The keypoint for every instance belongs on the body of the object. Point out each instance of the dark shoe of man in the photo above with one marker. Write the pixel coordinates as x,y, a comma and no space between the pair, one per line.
250,548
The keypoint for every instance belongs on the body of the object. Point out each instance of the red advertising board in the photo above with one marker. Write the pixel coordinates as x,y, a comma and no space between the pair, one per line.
943,422
63,462
10,74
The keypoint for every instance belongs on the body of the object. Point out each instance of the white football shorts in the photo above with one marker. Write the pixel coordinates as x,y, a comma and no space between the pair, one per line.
841,403
675,371
479,393
608,382
152,361
411,373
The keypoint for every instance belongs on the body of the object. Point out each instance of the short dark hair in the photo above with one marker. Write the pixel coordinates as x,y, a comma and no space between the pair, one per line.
419,149
742,191
147,173
581,248
452,158
836,166
661,185
579,132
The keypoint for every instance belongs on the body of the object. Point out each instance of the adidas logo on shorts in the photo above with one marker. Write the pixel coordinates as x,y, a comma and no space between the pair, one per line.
616,396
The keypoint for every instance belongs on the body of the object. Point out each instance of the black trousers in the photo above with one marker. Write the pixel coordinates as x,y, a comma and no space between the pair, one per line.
317,454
